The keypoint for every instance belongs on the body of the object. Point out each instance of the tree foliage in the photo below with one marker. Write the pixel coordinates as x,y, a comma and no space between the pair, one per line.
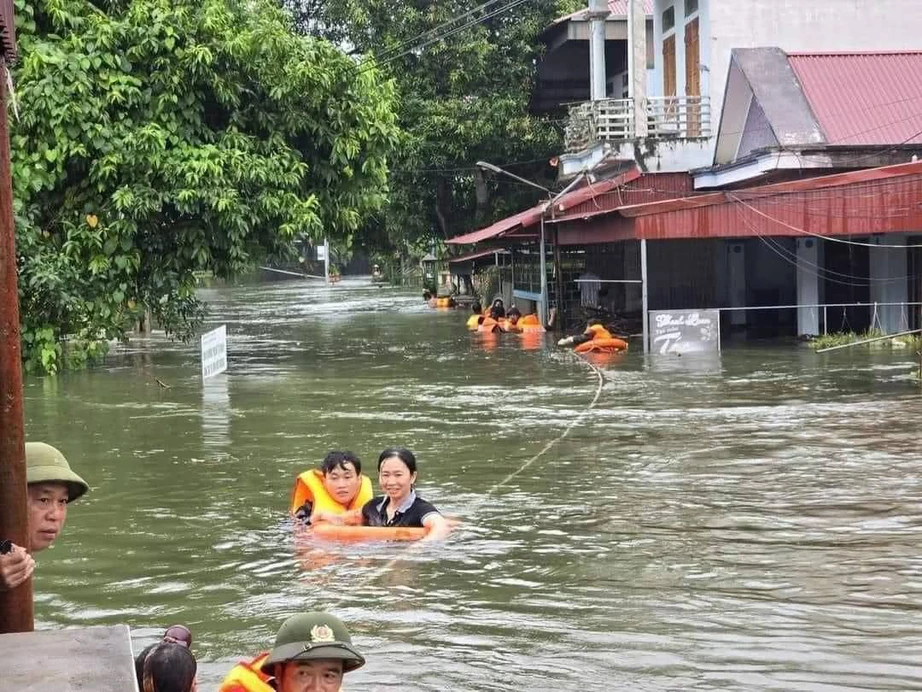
158,138
462,99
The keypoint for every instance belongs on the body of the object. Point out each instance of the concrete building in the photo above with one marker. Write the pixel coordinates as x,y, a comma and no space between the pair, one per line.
744,173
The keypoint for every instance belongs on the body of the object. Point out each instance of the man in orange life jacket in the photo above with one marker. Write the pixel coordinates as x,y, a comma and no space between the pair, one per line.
312,652
337,487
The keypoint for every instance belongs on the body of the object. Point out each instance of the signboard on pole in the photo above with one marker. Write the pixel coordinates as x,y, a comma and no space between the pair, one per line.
214,352
321,252
684,331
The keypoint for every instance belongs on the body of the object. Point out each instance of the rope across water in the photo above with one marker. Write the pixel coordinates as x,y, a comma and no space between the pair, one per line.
544,450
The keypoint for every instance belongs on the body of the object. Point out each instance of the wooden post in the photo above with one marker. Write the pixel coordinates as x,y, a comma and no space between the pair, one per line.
15,605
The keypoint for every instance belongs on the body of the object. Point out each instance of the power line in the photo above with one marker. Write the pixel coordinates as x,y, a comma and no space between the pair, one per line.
494,13
403,44
831,239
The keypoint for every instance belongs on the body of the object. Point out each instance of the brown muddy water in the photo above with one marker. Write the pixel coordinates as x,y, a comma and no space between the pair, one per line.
747,522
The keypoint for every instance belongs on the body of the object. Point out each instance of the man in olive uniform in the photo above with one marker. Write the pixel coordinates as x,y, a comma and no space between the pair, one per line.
52,487
312,652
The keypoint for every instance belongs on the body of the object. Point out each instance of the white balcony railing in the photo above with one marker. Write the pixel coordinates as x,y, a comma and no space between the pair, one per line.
612,120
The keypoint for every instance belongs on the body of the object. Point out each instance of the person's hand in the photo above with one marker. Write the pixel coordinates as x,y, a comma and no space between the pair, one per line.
15,567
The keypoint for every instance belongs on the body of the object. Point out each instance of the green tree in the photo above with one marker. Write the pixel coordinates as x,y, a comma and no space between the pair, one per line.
158,138
462,99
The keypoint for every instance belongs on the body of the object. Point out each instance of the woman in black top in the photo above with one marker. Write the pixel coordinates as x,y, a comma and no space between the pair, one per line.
400,505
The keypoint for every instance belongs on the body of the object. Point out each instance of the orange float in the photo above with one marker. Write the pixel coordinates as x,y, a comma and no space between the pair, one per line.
609,345
341,532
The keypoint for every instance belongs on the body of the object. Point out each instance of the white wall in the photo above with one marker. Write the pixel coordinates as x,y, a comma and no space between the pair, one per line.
792,25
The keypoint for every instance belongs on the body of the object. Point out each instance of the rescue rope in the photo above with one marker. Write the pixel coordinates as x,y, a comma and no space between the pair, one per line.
544,450
550,445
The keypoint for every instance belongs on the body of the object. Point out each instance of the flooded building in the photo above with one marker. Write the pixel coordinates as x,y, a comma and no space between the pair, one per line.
747,166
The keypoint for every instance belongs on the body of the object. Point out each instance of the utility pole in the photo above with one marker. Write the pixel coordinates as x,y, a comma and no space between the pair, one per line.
598,13
326,260
16,604
637,64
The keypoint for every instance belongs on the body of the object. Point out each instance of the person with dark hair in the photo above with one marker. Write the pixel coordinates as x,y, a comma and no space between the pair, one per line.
337,487
512,320
51,486
498,309
476,318
400,505
167,666
176,634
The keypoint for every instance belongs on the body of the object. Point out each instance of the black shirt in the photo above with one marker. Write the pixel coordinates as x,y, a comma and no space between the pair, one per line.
414,510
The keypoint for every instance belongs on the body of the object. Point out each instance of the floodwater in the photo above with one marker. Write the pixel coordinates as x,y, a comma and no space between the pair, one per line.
746,522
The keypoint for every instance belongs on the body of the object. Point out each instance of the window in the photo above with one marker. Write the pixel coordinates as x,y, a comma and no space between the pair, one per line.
691,6
669,19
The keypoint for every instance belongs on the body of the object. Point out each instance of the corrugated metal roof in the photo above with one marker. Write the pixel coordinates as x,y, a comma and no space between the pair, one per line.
532,216
523,219
864,98
470,256
877,200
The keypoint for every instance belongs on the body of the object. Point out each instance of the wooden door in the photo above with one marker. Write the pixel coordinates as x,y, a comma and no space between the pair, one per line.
664,116
692,79
669,66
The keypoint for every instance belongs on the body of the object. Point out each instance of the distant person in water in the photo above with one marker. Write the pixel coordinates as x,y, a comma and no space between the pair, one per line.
430,299
337,487
52,486
513,316
498,309
400,505
477,316
593,331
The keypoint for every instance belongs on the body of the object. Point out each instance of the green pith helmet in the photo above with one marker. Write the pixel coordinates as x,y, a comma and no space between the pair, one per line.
45,464
313,636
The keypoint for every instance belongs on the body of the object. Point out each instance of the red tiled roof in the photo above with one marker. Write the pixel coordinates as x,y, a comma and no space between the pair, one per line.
864,98
619,7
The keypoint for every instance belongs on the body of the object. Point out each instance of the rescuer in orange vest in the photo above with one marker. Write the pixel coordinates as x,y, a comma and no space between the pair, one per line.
312,652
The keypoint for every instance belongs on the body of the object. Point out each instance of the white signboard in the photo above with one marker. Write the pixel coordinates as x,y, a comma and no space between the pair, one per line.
684,331
321,253
214,352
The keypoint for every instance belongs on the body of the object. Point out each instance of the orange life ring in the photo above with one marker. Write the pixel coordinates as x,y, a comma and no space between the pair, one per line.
340,532
603,345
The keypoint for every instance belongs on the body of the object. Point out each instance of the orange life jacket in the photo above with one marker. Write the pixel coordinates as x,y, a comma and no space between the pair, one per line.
247,676
598,332
309,488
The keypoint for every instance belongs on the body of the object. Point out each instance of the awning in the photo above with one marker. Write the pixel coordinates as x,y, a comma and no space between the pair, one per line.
523,219
477,255
865,202
530,217
464,264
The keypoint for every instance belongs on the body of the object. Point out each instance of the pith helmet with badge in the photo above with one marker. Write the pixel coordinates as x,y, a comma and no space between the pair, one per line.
311,637
46,464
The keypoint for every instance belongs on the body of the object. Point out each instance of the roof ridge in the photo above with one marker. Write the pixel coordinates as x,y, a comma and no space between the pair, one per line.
844,53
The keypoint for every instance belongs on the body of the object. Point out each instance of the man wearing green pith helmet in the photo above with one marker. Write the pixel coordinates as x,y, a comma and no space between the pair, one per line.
312,652
52,485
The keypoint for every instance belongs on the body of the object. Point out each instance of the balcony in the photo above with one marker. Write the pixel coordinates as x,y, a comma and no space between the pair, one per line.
612,121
